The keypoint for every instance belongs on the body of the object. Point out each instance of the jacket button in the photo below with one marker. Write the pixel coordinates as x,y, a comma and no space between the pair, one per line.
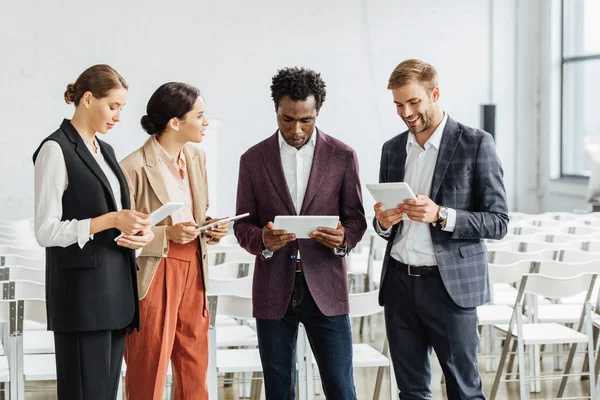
204,256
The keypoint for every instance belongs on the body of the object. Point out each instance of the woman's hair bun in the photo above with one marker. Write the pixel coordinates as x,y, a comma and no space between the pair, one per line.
70,93
149,126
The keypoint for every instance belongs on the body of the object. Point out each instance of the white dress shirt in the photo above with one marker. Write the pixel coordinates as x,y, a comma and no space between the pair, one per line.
50,182
413,244
297,164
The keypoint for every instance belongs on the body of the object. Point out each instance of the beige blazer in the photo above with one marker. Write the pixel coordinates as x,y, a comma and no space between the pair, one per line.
148,192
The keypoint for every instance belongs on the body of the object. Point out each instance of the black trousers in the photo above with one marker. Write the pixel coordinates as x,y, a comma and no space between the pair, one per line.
88,364
419,316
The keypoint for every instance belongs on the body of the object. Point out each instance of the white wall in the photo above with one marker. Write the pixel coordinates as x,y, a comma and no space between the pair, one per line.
230,50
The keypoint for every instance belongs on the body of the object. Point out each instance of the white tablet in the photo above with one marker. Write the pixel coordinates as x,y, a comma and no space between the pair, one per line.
391,194
160,213
221,222
303,225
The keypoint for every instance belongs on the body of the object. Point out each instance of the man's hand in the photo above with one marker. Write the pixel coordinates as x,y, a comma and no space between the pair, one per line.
388,218
182,233
422,210
274,239
328,237
217,232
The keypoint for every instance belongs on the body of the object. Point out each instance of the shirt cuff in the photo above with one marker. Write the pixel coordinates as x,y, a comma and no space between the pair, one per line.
381,232
83,232
450,221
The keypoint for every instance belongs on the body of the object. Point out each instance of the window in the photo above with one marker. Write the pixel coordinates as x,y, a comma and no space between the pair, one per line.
580,100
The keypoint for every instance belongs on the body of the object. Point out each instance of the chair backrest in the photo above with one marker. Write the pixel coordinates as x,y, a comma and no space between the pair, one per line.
24,290
229,254
578,256
235,307
18,273
241,287
505,257
558,288
231,270
561,269
509,273
363,304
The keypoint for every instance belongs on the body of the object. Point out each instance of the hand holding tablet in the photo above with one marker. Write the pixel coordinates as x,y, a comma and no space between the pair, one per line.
160,213
391,194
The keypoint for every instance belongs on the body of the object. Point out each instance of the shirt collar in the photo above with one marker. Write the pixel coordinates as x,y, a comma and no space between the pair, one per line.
312,140
166,158
434,140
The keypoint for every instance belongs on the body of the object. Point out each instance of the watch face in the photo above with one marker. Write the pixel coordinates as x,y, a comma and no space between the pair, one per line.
443,212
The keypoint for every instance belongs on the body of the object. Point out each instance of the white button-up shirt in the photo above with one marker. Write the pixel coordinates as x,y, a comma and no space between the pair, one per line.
50,182
297,164
413,244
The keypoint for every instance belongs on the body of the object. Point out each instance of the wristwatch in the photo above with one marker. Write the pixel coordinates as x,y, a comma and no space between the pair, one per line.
443,215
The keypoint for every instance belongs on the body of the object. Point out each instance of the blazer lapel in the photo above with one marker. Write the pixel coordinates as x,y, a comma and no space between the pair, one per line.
272,158
450,139
318,170
153,172
397,160
197,184
84,153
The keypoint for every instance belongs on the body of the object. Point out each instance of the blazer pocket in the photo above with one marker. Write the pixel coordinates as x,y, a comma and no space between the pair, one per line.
85,262
471,250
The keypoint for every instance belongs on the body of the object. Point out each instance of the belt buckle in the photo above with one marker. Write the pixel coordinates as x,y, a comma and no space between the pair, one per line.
408,269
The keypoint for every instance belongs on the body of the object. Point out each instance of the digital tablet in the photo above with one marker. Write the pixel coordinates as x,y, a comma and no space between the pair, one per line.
221,222
391,194
303,225
160,213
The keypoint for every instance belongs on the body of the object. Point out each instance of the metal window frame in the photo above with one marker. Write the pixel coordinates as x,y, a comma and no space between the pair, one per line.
564,62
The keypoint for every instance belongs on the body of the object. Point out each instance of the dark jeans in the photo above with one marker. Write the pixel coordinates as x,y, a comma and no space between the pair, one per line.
329,337
419,316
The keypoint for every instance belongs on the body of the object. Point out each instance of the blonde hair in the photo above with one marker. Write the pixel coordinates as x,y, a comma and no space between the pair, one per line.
414,71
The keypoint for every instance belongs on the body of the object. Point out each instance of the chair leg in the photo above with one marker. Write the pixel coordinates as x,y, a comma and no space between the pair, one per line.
378,382
511,361
563,381
522,374
256,388
500,366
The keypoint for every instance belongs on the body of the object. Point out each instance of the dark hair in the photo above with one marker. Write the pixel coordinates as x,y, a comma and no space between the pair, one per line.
171,100
98,79
298,84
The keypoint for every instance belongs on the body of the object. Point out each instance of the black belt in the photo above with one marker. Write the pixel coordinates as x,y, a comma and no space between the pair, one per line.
416,270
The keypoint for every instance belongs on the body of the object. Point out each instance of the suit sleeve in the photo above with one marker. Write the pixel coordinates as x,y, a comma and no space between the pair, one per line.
159,246
490,221
352,212
248,231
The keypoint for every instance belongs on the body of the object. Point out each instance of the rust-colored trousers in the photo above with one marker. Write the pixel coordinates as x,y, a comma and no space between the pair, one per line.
174,327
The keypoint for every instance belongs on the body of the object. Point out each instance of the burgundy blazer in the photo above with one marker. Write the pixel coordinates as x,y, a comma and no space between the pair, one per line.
333,189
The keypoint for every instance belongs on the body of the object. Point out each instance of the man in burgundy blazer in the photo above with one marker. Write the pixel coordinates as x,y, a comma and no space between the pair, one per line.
300,170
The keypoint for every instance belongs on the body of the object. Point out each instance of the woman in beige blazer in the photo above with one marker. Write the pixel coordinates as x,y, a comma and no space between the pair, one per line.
173,268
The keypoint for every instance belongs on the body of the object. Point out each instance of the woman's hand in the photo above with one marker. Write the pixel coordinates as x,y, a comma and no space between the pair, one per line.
182,233
136,241
131,222
217,232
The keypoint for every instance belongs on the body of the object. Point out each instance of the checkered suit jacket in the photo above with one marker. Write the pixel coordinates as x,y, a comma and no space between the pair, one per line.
468,178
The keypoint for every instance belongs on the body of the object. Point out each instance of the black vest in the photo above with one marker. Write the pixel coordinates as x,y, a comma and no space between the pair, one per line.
94,288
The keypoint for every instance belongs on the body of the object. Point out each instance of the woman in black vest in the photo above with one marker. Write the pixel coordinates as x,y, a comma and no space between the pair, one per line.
82,204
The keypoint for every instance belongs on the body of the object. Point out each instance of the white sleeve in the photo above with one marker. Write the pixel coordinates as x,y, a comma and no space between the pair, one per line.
450,221
50,182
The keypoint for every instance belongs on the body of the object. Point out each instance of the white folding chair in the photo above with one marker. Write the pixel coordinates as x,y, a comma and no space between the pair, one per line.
535,334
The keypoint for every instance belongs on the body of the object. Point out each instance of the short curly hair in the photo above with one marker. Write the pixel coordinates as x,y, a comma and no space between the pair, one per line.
299,84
